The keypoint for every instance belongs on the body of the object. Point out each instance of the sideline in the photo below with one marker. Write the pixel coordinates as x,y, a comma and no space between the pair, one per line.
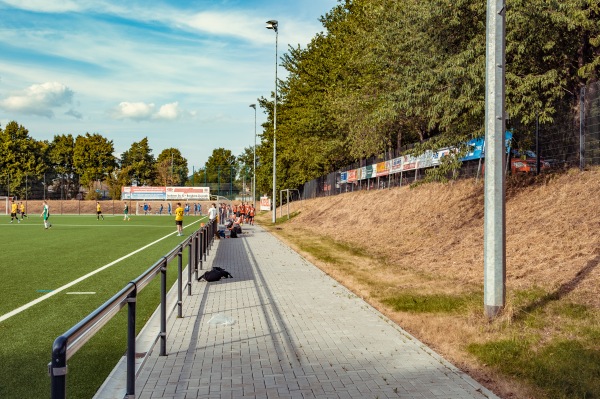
80,279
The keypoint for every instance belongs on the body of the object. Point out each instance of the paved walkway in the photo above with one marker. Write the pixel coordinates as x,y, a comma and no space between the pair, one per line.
296,333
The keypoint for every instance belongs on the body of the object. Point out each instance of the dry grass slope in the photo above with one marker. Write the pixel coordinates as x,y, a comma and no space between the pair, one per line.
427,242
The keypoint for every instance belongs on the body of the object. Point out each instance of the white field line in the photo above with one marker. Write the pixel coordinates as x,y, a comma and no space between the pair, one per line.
80,279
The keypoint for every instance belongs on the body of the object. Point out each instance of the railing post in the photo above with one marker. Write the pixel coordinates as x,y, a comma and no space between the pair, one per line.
208,235
191,263
163,309
58,369
131,310
204,243
179,282
198,253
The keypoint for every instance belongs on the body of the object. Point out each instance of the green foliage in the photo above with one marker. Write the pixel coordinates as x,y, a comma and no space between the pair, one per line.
171,168
563,369
221,166
21,158
415,303
138,164
93,158
386,73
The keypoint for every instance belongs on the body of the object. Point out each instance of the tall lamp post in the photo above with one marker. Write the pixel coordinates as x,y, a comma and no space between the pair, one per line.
273,24
254,170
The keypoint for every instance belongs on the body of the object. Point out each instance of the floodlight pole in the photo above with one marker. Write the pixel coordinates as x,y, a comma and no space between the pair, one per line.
273,24
494,246
254,175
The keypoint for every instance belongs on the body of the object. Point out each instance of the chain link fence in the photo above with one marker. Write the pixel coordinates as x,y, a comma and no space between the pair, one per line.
564,144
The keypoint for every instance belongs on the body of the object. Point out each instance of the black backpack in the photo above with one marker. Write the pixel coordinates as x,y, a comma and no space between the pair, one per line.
215,274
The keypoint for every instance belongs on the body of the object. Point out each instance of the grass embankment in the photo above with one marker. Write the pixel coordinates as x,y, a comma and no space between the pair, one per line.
417,255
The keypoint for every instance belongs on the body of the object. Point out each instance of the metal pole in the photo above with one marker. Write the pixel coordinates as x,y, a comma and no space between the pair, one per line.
131,307
179,285
582,128
494,198
58,369
254,175
275,27
163,309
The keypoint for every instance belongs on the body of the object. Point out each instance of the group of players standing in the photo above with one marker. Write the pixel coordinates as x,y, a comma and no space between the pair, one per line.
19,209
16,210
244,210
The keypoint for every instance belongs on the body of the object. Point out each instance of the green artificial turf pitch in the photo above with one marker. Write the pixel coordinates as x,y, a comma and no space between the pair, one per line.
36,261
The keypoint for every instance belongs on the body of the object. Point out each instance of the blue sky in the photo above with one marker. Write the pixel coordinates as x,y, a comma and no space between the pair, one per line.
182,73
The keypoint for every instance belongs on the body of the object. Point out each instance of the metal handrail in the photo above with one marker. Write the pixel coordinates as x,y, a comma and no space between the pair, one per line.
66,345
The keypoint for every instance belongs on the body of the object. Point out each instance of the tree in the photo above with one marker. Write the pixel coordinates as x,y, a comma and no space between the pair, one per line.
60,156
221,167
93,160
171,168
138,163
21,159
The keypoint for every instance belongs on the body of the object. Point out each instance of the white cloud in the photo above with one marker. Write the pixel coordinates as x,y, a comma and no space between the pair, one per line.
136,111
39,99
141,111
169,111
54,6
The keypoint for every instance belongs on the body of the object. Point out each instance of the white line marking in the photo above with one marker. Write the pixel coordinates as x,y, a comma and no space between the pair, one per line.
80,279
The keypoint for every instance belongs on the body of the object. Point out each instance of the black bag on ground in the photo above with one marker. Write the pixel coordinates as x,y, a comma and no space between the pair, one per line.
215,274
233,234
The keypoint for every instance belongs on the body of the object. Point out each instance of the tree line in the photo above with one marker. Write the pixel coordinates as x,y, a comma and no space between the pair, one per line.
67,163
387,73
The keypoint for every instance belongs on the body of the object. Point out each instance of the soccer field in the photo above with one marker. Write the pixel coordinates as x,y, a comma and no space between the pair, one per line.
52,278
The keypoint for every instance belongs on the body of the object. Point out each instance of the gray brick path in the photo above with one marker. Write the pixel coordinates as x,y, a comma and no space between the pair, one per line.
296,334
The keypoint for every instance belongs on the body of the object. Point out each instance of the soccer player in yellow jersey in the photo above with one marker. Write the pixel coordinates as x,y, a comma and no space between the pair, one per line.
179,219
13,211
99,211
22,210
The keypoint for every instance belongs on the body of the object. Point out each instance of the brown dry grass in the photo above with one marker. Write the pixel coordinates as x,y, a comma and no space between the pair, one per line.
429,240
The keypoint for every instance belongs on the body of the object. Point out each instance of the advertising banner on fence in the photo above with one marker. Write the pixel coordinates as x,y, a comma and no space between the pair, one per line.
265,204
143,193
382,168
343,177
352,176
188,193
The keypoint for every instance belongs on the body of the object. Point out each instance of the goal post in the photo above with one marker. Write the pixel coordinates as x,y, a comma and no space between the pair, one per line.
5,204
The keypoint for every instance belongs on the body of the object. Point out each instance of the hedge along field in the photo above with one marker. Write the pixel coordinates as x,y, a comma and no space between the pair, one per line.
37,261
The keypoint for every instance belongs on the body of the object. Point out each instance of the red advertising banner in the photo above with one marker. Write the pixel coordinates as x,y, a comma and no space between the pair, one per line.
352,176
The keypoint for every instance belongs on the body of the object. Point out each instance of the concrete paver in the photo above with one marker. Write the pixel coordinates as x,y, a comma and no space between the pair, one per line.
297,333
